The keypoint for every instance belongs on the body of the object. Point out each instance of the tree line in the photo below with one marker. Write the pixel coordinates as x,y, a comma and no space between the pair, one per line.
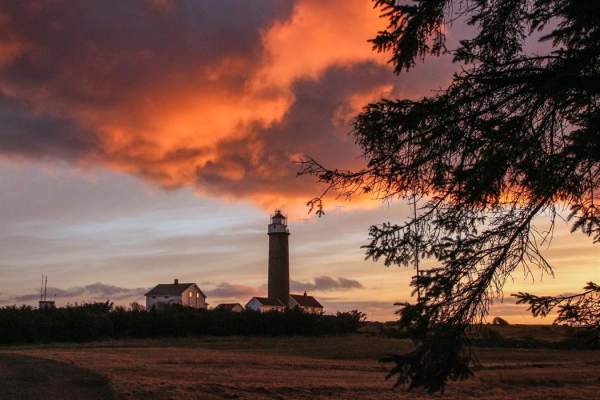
100,321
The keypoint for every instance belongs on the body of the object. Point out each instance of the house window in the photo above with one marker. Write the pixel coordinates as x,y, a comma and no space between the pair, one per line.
153,297
190,295
197,295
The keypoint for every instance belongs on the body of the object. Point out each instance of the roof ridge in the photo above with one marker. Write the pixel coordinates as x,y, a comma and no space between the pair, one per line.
172,289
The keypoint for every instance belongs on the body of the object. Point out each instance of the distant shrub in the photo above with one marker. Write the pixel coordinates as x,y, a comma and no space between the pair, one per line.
489,338
98,321
577,339
351,321
583,338
500,321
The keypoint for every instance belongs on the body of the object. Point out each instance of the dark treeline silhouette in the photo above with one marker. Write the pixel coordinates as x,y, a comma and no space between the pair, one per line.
98,321
572,338
575,339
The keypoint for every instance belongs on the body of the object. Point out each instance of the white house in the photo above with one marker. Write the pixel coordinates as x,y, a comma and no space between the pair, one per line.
185,294
264,304
306,303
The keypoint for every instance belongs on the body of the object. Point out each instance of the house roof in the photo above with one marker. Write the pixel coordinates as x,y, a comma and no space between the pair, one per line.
228,306
171,289
265,301
304,300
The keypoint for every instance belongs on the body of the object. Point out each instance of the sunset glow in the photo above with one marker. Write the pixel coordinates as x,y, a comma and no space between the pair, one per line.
150,140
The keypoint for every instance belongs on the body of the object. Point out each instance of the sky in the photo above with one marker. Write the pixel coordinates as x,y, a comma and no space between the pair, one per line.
148,140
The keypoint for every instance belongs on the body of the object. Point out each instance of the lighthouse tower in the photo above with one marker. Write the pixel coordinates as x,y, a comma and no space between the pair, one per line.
279,259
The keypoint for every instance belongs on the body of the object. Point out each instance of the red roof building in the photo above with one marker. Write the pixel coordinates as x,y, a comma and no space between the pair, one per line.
306,303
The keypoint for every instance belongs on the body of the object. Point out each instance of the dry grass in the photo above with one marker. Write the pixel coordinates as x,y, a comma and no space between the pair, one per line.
543,333
312,368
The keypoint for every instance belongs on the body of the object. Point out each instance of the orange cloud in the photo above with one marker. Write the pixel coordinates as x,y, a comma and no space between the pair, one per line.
218,95
318,35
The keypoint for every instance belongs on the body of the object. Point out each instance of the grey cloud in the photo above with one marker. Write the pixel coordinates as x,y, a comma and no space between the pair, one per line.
375,310
326,283
109,45
321,283
95,291
229,290
93,56
508,307
27,134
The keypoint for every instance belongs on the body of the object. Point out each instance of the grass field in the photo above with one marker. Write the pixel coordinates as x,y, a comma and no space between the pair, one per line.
276,368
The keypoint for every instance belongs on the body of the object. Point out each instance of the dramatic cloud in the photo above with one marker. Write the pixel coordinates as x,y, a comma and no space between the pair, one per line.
261,165
326,283
220,95
94,292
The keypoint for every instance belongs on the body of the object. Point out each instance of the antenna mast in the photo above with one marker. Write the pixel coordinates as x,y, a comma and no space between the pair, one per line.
45,288
42,289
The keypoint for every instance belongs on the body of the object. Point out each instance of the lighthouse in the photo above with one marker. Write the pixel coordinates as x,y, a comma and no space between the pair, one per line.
280,298
279,258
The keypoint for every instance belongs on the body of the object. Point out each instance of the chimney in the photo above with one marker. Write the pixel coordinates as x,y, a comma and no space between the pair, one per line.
176,281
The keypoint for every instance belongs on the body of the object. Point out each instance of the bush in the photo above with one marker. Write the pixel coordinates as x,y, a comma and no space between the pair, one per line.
500,321
583,338
98,321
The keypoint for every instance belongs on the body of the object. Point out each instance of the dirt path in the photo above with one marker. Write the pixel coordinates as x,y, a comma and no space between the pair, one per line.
30,378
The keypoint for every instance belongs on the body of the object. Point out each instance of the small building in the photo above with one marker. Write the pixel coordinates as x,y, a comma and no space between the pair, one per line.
46,305
232,307
185,294
264,304
306,303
